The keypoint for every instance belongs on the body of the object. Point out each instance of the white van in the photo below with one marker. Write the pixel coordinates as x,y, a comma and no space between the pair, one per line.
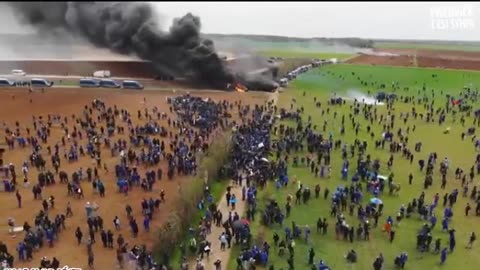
18,72
283,82
102,74
6,83
38,82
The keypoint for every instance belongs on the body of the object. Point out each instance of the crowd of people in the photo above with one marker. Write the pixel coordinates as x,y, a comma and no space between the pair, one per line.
356,207
356,204
248,165
140,150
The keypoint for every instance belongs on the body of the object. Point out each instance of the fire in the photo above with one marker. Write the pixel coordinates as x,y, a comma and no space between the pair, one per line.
241,88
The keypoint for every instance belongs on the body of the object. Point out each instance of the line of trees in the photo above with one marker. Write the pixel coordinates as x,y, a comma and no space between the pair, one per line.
185,208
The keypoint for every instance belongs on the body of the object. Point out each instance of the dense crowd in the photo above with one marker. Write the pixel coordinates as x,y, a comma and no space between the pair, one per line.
356,204
176,143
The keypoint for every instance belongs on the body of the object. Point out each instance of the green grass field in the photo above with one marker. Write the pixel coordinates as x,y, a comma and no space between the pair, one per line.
427,46
304,54
290,49
302,46
339,78
321,84
217,189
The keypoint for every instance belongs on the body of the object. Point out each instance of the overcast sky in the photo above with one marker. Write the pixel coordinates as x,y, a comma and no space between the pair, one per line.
386,20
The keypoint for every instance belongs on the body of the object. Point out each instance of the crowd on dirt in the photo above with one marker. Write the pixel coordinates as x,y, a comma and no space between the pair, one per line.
85,136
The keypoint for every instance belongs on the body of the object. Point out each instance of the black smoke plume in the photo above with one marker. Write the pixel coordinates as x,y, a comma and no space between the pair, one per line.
132,28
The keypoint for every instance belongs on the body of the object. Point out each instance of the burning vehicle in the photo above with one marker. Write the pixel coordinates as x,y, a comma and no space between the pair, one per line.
132,28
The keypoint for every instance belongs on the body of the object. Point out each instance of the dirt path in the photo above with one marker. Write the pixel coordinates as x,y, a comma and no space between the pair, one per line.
213,237
415,62
274,96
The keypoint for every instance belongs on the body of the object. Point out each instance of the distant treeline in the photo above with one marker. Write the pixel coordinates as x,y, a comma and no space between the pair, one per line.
17,39
430,42
353,42
36,39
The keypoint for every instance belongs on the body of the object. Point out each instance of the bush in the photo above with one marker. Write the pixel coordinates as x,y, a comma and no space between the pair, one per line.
266,197
185,208
261,237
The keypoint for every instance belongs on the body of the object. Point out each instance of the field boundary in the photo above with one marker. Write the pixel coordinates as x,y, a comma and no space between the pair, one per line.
411,67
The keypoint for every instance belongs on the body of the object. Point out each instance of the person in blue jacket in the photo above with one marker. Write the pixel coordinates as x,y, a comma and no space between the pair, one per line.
433,221
452,241
323,266
401,260
443,256
445,224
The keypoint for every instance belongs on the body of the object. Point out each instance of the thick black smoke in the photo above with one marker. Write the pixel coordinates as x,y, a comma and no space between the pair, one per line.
131,28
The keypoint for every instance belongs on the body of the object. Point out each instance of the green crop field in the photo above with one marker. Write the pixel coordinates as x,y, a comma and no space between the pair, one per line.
460,47
340,78
303,46
289,49
304,54
429,83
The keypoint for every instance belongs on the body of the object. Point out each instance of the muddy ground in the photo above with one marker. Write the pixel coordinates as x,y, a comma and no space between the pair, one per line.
444,54
123,69
16,106
402,61
423,58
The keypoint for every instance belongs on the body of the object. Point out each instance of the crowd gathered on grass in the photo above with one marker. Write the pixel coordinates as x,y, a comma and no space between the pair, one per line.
336,150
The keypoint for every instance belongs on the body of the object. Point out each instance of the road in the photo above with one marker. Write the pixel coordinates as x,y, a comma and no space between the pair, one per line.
73,81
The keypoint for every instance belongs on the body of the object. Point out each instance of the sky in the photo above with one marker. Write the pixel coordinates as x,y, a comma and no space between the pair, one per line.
384,20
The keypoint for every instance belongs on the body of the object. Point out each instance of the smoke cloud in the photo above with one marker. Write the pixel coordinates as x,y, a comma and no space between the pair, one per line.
132,28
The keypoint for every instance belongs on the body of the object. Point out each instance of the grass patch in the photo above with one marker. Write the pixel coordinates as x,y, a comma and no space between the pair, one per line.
185,210
343,77
67,83
451,47
217,188
321,83
303,54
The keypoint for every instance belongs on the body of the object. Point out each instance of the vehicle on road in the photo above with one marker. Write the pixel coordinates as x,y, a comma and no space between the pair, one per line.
89,83
108,83
132,85
6,83
39,82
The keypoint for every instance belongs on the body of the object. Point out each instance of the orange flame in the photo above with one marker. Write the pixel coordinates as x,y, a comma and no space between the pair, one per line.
241,88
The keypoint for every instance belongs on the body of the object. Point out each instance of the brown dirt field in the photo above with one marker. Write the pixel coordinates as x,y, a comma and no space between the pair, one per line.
433,62
403,61
128,69
445,54
425,58
67,102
